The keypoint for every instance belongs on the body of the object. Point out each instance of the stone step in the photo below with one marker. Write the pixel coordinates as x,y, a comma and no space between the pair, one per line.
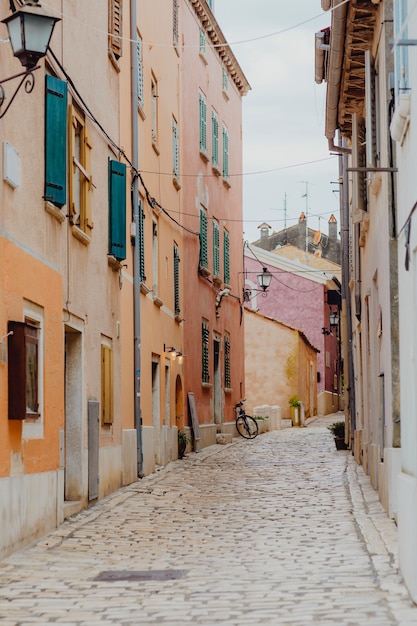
224,438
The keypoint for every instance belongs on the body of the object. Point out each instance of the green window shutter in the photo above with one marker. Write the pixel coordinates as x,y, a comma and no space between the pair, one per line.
227,377
55,140
117,209
141,246
225,153
177,309
203,123
226,258
205,375
139,53
203,239
216,249
214,138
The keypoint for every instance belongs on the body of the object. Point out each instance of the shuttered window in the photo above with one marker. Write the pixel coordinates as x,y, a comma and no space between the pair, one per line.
115,28
177,309
226,257
203,239
139,53
23,371
214,138
117,209
227,377
80,178
55,140
203,122
175,23
202,42
225,153
141,242
175,151
401,19
107,382
216,249
205,336
225,79
154,120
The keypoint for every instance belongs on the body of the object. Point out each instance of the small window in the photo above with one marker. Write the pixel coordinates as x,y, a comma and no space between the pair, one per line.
216,250
227,377
225,153
203,239
203,123
107,383
214,138
225,80
205,376
115,28
202,42
226,257
81,181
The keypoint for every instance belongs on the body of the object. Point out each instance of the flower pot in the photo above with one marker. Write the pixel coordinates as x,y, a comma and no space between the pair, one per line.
340,443
182,445
295,415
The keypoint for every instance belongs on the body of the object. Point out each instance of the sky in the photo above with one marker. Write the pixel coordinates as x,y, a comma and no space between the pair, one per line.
283,114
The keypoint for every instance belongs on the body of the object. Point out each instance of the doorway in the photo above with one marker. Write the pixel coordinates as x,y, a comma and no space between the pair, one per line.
73,425
217,404
156,409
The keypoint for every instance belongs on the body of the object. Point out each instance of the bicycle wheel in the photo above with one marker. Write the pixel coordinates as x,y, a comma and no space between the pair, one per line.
247,426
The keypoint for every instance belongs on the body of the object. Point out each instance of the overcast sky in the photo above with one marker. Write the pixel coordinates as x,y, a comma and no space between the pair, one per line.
283,114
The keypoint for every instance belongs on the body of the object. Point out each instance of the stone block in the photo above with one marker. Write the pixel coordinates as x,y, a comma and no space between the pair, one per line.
223,438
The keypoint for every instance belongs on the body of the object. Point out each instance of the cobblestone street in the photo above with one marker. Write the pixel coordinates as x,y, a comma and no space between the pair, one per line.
279,530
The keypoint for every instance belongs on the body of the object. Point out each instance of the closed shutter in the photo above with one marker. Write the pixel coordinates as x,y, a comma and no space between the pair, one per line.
177,309
203,239
117,209
205,376
115,27
214,138
141,246
225,153
216,249
106,385
226,257
139,48
227,378
55,140
203,123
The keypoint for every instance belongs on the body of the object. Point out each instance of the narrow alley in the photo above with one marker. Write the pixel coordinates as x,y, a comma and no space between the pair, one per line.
279,530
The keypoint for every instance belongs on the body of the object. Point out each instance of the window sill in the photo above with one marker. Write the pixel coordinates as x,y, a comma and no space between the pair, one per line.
114,263
215,170
144,288
217,280
141,112
225,95
55,211
228,390
114,61
176,183
204,271
204,156
203,58
157,301
80,235
156,147
226,183
206,385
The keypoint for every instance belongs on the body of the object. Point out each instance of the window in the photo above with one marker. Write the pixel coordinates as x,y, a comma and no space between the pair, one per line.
203,239
227,379
141,242
226,257
107,382
115,28
24,365
202,42
216,249
81,182
225,153
175,37
401,52
203,123
154,95
177,309
175,152
55,141
117,209
205,376
139,53
214,138
155,257
225,80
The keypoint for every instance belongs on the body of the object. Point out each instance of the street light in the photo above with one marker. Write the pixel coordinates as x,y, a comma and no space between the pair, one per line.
334,322
30,31
264,279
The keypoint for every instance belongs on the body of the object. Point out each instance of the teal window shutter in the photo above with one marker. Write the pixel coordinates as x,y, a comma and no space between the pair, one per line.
225,153
203,239
216,250
203,123
214,138
177,309
117,209
205,338
55,140
226,258
141,246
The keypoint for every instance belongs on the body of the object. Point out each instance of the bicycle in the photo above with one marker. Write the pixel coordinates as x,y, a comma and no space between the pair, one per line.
246,425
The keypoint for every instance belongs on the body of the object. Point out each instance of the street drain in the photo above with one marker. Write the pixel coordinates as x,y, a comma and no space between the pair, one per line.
133,576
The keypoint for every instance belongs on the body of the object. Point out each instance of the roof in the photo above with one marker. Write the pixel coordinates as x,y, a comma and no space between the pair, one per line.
292,328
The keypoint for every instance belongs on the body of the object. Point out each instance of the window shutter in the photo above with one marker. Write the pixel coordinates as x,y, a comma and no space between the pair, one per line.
139,52
226,258
117,209
88,186
141,246
175,23
203,239
205,376
227,378
225,153
175,150
203,123
106,385
177,309
371,134
214,138
216,249
55,140
115,27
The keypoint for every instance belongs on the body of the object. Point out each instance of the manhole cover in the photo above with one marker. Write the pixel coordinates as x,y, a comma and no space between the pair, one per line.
132,575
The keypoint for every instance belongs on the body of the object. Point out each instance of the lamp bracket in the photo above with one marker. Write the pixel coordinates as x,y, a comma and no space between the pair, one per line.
26,78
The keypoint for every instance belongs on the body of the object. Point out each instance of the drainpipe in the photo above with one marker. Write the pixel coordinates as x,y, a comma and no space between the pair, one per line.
344,226
136,251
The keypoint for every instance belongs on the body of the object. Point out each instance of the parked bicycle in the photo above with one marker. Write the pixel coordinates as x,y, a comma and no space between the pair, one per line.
246,425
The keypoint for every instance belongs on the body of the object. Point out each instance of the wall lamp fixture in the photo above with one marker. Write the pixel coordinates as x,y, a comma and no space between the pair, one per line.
174,353
264,280
334,322
30,30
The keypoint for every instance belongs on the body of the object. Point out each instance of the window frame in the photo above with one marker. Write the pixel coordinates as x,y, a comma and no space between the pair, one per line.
115,25
225,152
205,355
80,166
216,248
203,258
203,123
107,384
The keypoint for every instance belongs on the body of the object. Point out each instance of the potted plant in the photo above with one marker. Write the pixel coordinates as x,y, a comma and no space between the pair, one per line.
295,403
183,440
338,431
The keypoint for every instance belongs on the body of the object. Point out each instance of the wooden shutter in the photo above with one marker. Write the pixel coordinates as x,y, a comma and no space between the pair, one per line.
55,140
226,257
175,150
175,22
139,53
22,371
214,138
203,123
203,239
141,246
106,385
205,376
216,249
117,209
227,379
177,309
115,27
225,153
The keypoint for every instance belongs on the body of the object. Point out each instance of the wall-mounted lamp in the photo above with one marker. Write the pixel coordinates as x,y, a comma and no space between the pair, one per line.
264,280
173,354
334,322
30,30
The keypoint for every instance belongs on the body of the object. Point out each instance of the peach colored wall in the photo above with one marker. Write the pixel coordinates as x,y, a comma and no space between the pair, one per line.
224,204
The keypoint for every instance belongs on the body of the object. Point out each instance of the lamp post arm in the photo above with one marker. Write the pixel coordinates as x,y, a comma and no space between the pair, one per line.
27,79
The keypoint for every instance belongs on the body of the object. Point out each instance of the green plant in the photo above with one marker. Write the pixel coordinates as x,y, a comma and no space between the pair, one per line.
183,437
260,417
294,401
337,429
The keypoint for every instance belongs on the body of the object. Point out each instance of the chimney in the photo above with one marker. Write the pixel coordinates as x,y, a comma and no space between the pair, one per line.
332,227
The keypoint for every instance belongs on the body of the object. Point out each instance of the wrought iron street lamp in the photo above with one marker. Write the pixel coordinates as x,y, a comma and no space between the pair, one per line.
30,30
264,279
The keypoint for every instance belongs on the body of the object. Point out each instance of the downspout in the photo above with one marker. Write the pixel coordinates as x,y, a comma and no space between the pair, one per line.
136,250
346,299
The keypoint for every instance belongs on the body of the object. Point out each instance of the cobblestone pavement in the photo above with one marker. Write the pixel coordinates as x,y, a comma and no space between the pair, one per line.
280,530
